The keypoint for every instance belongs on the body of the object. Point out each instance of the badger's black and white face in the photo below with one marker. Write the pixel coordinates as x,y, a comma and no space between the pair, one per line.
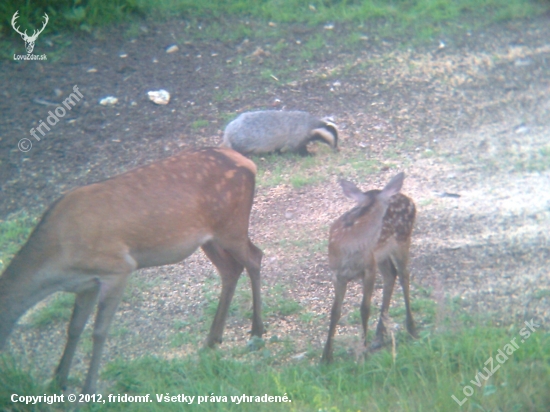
328,133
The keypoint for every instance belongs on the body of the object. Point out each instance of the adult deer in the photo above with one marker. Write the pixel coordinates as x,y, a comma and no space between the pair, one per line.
90,241
29,40
375,232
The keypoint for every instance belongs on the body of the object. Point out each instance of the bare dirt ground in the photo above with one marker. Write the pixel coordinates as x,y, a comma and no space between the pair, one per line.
470,118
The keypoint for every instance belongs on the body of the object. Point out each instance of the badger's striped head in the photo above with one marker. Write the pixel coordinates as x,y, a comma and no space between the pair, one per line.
327,133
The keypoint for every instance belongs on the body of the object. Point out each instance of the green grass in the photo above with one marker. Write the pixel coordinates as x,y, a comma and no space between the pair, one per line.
182,338
59,309
309,317
353,318
294,170
289,168
298,172
276,303
13,233
363,165
420,18
199,124
66,14
542,293
428,153
534,161
531,158
422,377
313,45
241,305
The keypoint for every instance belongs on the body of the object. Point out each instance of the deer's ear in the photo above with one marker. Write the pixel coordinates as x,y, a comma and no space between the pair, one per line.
352,191
394,185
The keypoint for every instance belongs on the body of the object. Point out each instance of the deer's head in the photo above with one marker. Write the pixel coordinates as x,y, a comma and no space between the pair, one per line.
29,40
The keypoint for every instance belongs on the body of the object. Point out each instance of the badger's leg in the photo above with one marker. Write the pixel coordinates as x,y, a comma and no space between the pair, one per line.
302,151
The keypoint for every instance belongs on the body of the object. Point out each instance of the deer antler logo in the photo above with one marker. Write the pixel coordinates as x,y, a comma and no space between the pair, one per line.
29,40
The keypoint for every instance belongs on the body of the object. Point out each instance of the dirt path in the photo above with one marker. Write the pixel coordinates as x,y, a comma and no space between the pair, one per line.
470,118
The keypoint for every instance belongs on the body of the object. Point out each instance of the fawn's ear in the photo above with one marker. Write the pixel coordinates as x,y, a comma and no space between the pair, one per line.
394,186
352,191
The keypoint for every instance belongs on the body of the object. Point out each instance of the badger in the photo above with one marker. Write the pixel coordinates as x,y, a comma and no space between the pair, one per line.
277,130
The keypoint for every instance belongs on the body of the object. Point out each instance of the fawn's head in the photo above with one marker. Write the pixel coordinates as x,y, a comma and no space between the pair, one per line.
367,202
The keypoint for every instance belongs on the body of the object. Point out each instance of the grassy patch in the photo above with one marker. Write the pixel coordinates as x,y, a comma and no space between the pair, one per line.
543,293
529,157
199,124
276,303
353,317
423,375
428,154
364,166
424,202
297,171
190,331
66,14
59,309
13,379
292,169
304,242
419,18
183,338
534,161
425,307
309,317
241,304
286,307
312,46
133,293
13,233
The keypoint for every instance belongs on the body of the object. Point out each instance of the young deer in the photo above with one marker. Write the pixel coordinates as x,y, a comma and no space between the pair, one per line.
92,239
376,231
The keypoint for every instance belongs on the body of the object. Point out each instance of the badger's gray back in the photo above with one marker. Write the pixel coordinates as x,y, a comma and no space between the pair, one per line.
270,130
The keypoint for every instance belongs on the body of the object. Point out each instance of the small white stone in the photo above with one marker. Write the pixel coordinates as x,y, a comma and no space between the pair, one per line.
299,356
522,62
108,101
159,96
172,49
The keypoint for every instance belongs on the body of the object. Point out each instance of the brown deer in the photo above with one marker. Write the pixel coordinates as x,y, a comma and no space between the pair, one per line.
90,241
375,232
